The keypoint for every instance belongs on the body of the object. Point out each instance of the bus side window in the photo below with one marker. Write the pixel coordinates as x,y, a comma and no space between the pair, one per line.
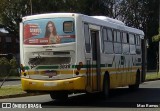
117,42
132,44
87,38
124,37
107,40
118,36
115,35
131,39
109,35
138,39
125,45
105,35
138,47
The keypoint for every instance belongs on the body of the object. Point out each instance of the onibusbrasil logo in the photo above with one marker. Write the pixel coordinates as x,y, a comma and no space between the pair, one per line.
21,105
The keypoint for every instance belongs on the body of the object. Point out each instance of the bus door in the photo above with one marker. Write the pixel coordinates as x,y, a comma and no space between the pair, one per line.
93,60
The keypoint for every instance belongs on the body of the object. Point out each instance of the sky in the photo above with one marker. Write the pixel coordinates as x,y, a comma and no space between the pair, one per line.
3,30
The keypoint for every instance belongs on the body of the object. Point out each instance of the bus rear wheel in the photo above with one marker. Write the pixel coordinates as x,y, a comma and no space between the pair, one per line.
59,95
136,85
106,86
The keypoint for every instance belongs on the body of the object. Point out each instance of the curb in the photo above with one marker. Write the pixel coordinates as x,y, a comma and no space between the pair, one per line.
13,96
20,95
152,79
11,79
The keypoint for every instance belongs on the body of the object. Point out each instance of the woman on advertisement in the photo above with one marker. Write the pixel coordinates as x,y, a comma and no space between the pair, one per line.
51,33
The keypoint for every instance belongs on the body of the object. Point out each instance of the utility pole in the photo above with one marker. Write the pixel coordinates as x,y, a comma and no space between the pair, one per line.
159,32
31,6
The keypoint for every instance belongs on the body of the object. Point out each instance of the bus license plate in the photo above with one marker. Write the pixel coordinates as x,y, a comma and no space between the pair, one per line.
50,73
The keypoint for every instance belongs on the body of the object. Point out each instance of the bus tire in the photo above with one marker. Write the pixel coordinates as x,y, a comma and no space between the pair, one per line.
136,85
59,95
106,86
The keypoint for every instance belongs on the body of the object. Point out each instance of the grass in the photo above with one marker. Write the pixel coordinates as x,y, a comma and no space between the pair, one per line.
11,90
152,75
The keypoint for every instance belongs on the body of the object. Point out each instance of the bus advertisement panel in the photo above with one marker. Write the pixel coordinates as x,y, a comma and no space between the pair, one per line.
49,31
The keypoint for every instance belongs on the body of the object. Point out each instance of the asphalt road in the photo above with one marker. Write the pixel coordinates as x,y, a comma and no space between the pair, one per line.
121,99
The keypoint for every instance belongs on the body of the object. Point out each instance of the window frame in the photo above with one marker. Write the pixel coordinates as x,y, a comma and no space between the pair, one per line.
87,48
107,40
64,27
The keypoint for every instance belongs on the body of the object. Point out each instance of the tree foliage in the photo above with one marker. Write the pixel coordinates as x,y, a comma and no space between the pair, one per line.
139,13
11,12
156,37
8,67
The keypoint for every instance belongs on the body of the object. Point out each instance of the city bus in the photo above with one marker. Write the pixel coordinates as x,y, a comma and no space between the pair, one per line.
66,53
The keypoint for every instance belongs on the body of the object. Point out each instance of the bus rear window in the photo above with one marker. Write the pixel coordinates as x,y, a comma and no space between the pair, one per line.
68,26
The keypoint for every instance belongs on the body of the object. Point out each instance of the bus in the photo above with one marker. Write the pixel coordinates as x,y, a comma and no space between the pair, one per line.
66,53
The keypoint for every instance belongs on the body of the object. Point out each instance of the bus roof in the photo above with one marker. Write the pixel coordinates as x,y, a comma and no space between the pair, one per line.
112,23
48,15
107,19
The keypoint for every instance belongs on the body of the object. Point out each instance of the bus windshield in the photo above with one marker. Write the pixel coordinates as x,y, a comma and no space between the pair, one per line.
48,31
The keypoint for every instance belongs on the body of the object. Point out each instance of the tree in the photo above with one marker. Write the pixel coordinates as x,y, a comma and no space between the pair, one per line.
11,12
111,8
156,38
134,13
142,14
4,67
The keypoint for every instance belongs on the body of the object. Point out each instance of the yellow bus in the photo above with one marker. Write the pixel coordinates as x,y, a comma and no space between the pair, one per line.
64,53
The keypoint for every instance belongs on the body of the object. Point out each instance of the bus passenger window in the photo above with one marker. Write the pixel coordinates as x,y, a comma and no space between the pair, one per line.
87,38
108,47
104,34
124,37
138,50
137,40
109,33
132,49
118,36
117,48
115,35
131,39
125,48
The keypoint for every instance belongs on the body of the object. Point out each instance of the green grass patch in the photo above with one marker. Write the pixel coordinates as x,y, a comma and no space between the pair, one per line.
152,75
11,90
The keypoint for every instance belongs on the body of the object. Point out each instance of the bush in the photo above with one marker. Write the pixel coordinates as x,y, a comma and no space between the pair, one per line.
4,66
8,67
